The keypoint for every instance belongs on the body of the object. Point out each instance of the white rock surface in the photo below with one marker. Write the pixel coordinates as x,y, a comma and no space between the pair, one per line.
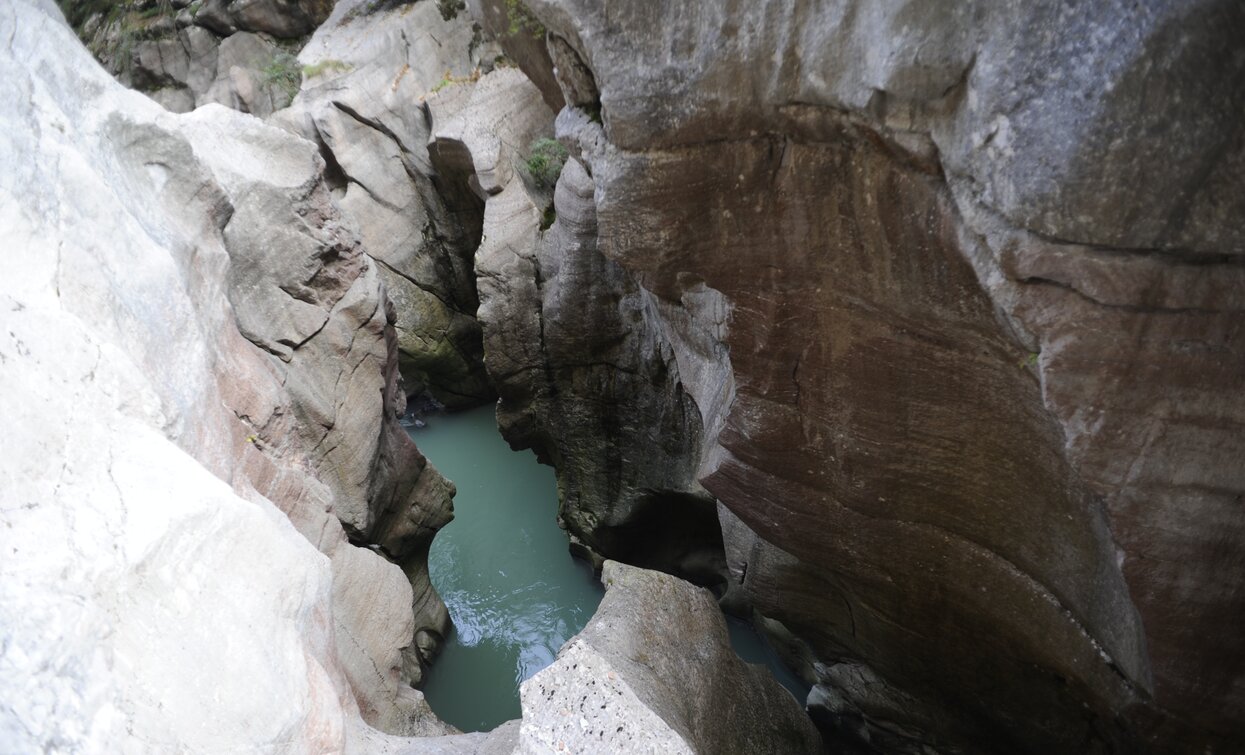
152,597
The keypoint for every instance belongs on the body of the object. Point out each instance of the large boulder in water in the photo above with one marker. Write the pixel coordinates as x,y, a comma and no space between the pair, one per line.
653,671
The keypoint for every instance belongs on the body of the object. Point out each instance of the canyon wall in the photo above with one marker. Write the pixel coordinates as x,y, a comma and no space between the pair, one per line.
198,353
955,291
371,72
911,329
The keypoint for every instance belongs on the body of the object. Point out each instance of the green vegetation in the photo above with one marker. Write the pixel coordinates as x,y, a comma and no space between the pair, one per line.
161,8
283,74
78,12
112,28
330,64
544,162
522,21
547,220
450,8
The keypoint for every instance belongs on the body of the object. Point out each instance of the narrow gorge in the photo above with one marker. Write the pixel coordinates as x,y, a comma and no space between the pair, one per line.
896,346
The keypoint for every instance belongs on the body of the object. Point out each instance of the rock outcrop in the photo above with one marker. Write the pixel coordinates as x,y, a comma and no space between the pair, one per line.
238,53
913,328
654,672
372,74
956,297
583,378
189,284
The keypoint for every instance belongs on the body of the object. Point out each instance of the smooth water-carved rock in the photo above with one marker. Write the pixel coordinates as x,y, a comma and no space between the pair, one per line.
368,73
571,344
188,282
654,672
974,428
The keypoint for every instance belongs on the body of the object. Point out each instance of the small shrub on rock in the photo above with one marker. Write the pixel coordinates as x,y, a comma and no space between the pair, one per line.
283,74
545,160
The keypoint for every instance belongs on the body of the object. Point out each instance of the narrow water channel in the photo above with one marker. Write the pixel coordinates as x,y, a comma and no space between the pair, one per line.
503,568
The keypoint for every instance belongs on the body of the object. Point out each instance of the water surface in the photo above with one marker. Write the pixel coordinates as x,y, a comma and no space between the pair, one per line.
513,590
503,569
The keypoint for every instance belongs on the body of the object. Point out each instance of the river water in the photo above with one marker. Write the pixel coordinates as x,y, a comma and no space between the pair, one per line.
503,568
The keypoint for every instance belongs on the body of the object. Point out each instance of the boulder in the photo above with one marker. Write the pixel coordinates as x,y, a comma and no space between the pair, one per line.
252,74
653,671
280,18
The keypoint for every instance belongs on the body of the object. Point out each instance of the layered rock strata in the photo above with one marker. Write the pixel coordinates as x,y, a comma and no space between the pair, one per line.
189,284
583,377
968,380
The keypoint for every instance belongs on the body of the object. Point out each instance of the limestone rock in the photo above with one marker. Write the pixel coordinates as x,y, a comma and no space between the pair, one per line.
524,46
970,385
367,74
654,672
156,582
249,75
571,343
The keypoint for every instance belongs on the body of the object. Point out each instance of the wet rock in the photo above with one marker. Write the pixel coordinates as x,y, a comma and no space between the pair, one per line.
654,672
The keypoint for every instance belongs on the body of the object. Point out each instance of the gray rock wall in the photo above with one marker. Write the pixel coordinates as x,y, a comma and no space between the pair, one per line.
372,75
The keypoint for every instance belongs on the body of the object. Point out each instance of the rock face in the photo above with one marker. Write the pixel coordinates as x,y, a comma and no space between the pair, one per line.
371,73
654,672
965,351
582,376
232,52
189,283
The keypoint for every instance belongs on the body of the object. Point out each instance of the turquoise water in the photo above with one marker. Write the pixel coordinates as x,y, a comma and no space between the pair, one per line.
503,569
753,648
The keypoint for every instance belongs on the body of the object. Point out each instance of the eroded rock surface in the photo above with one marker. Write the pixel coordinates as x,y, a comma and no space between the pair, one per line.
239,53
654,672
189,286
583,375
371,71
969,381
